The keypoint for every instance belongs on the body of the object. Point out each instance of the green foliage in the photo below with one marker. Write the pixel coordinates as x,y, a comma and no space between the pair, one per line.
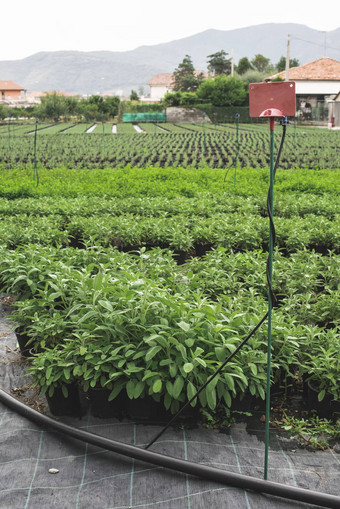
281,65
218,63
261,63
134,96
185,77
179,99
90,256
243,65
222,91
313,433
54,106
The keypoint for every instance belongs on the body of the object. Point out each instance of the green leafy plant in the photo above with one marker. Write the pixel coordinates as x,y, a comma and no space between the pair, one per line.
52,369
313,433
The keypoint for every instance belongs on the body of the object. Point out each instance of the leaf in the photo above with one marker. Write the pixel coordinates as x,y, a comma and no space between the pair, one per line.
201,362
177,387
230,381
149,374
191,391
67,373
48,372
189,342
321,395
173,370
106,304
184,326
220,353
261,392
227,398
211,398
182,349
167,401
157,386
115,391
130,389
139,387
64,390
253,368
82,350
188,367
152,352
169,387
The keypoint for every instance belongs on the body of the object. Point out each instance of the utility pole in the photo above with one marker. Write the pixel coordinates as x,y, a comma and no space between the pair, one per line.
287,59
325,44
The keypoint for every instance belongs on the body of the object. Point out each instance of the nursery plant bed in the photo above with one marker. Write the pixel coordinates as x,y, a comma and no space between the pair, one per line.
23,339
60,405
327,408
101,407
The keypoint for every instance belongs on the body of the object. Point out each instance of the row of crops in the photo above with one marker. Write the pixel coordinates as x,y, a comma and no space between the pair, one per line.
145,280
168,145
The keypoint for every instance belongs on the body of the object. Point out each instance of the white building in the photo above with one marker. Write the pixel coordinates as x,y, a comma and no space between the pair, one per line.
163,83
316,84
160,85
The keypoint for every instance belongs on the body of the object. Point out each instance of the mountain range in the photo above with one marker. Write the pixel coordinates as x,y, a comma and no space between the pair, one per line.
120,72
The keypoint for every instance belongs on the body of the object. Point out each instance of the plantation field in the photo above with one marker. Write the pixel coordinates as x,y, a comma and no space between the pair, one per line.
146,279
164,145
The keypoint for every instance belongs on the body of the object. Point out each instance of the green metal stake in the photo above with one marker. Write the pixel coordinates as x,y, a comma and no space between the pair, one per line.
35,174
237,145
9,133
270,303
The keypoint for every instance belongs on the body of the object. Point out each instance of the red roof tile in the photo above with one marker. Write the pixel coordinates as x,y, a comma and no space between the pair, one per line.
10,85
322,69
166,79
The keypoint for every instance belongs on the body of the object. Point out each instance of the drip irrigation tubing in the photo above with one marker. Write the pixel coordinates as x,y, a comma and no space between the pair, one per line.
210,473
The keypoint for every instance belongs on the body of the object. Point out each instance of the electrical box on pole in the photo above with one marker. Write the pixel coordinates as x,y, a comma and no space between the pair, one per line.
272,99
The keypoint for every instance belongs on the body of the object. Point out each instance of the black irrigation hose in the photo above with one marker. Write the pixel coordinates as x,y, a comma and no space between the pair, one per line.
210,473
274,303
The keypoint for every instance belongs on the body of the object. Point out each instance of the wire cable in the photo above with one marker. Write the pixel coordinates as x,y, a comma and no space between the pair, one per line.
274,303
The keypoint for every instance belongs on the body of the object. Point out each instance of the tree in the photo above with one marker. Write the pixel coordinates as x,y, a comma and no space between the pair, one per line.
185,78
252,76
53,106
71,104
243,65
179,99
281,65
261,63
110,106
218,63
134,96
223,91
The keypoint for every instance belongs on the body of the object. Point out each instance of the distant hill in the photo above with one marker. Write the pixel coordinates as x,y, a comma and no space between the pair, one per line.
119,72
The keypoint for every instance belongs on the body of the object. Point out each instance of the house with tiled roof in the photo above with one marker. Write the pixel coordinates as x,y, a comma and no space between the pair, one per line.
11,92
163,83
316,84
160,85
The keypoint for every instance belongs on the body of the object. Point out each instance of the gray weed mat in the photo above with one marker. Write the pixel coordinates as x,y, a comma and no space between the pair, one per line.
41,468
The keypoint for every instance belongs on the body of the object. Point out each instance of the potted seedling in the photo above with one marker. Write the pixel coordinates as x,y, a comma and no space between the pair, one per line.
52,371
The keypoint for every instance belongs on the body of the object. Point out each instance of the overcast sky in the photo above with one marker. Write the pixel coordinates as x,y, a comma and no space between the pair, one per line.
31,26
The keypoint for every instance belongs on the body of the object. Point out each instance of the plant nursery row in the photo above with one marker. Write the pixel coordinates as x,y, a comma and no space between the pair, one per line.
143,281
176,146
